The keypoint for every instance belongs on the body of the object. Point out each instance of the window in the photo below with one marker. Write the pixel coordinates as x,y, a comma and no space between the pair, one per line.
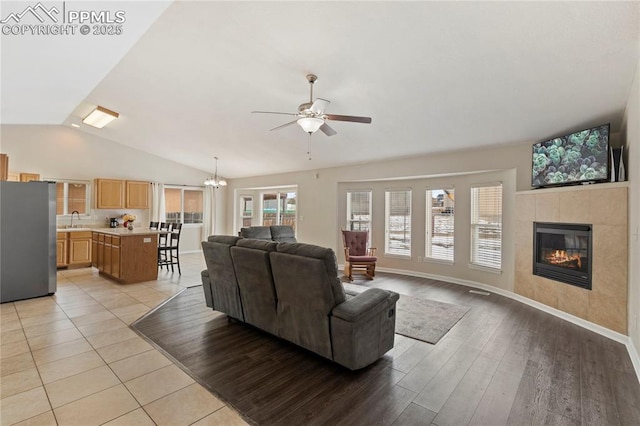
279,208
398,222
359,211
183,205
72,196
486,226
246,210
440,224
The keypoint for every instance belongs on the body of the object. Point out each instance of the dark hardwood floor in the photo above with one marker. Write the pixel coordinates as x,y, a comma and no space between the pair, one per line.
503,363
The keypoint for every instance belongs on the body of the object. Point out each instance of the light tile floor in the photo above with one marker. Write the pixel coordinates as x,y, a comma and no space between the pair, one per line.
71,359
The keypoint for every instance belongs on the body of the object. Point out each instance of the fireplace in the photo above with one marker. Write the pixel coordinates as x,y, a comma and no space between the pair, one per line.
562,252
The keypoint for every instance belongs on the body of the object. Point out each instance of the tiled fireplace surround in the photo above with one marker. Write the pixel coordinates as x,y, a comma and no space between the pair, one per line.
605,207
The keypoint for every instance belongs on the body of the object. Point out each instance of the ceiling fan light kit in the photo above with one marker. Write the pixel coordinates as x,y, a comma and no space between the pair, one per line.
311,116
310,124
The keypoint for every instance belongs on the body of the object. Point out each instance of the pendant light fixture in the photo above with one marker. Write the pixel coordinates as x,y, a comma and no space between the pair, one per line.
215,181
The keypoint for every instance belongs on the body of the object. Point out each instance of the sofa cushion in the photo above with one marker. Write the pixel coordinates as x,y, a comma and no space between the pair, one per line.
222,278
256,232
257,244
328,257
255,281
223,239
283,234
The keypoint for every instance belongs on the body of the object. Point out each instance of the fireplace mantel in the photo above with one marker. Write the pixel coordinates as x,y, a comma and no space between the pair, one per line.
604,206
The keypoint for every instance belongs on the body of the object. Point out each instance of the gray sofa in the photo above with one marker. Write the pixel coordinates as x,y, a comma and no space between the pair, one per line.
292,291
279,233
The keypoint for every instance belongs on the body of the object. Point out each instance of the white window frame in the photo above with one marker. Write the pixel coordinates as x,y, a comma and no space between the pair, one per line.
387,231
476,261
278,191
429,217
65,191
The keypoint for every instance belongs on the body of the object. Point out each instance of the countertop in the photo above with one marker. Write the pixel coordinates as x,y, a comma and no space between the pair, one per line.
121,232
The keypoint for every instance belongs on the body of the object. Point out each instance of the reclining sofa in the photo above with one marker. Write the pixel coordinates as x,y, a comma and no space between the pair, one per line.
279,233
292,291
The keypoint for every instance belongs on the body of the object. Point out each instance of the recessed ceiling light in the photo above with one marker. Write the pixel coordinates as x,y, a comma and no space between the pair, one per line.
100,117
76,125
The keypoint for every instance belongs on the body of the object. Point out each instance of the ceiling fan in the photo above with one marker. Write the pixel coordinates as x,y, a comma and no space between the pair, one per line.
311,116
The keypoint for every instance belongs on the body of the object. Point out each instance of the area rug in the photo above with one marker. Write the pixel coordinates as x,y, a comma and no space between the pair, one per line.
422,319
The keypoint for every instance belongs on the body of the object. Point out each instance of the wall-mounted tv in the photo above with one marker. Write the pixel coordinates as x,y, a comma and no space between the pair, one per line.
580,157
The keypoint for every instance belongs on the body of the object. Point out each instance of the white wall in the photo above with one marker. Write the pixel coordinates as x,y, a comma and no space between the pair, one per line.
321,199
631,139
60,152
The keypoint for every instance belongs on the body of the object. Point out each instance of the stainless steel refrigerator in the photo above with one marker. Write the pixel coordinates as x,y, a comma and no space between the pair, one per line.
27,240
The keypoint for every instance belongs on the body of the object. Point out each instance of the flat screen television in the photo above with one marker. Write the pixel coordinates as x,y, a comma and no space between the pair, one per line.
580,157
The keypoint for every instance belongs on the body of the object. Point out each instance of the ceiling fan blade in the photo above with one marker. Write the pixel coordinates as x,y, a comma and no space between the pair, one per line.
351,118
285,125
327,130
272,112
319,105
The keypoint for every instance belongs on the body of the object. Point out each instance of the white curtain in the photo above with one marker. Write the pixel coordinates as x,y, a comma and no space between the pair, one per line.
158,213
209,212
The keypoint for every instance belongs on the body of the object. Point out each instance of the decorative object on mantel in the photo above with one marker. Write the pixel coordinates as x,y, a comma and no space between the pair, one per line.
421,319
128,220
311,116
617,165
214,180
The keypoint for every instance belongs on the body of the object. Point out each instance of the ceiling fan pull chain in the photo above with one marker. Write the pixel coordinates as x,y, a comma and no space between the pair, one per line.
309,147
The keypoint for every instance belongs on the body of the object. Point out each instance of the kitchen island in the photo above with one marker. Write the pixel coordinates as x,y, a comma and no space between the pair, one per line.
126,256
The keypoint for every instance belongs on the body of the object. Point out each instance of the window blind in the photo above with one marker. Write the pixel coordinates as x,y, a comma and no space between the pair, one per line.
486,226
398,222
359,210
440,224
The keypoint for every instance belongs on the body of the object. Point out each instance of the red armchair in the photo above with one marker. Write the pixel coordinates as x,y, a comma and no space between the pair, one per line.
357,255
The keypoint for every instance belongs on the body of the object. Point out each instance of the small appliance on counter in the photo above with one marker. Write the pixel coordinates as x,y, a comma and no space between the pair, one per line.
113,222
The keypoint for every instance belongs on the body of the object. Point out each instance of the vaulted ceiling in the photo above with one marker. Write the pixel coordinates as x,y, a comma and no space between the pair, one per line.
434,76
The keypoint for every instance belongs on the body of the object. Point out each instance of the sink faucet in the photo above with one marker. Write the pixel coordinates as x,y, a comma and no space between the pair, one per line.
76,212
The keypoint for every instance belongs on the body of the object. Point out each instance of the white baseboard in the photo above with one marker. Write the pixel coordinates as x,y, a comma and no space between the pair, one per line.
191,251
613,335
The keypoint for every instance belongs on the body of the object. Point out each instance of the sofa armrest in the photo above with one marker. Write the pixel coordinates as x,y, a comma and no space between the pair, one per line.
364,304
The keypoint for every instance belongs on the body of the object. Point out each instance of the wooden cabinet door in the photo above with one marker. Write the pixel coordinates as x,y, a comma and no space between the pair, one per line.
94,249
28,177
79,250
107,258
61,253
109,193
100,260
137,195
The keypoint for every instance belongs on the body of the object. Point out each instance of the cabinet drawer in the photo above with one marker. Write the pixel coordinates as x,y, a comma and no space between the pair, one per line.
61,235
80,235
94,236
101,238
107,239
115,241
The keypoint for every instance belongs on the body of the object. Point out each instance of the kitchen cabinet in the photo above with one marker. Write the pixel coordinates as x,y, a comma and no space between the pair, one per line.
121,194
137,194
28,177
127,256
109,193
80,248
61,249
73,249
4,166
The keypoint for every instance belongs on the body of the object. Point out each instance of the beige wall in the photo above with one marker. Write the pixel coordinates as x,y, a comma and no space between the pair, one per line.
630,137
59,152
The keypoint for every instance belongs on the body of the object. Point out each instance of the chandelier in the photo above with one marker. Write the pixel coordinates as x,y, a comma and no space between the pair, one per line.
214,180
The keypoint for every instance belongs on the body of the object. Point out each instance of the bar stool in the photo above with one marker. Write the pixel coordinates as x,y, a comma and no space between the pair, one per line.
168,255
162,242
154,225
